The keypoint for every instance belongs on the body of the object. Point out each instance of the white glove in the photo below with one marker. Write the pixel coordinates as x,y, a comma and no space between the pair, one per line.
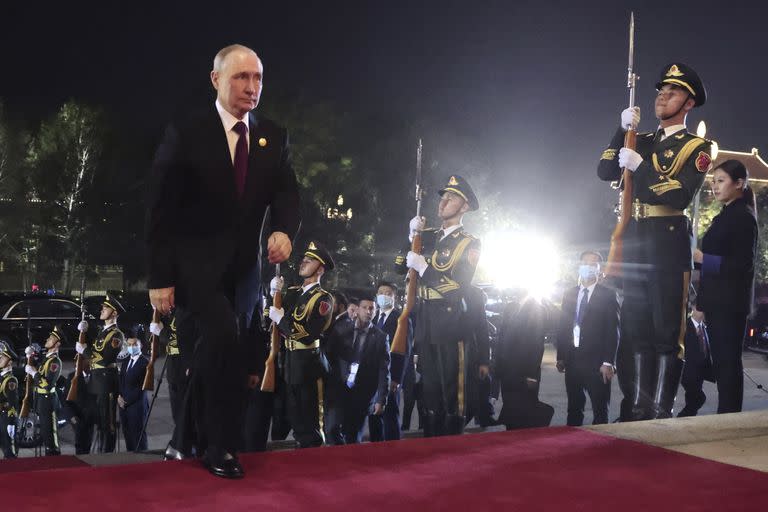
629,159
28,351
416,262
276,314
630,118
11,431
416,224
80,348
30,370
275,285
82,326
156,328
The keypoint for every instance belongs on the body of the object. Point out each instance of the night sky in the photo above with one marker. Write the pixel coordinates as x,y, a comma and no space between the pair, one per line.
532,89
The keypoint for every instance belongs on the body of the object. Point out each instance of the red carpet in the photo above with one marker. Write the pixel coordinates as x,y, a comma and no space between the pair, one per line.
39,463
555,469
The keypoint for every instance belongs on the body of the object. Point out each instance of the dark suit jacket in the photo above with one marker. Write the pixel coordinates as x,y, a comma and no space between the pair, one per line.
372,380
132,380
599,337
397,370
520,347
728,271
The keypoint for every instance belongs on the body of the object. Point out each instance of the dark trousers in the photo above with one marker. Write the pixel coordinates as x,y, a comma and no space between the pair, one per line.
106,424
132,419
84,424
305,412
7,444
580,381
258,415
177,385
411,395
45,408
386,427
693,381
625,373
440,365
726,338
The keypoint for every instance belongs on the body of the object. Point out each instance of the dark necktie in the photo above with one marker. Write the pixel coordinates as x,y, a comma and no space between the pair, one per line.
130,365
356,345
582,306
659,134
382,319
702,335
440,233
241,157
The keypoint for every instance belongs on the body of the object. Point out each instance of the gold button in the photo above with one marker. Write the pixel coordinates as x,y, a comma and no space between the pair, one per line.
663,166
262,142
671,228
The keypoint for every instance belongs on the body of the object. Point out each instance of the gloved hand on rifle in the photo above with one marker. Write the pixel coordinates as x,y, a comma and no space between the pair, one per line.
417,224
82,326
29,351
80,348
30,370
156,328
11,429
630,118
416,262
276,314
629,159
275,285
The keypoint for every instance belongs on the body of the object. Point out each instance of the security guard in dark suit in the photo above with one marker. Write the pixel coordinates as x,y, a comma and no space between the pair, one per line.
9,401
44,387
102,355
306,314
446,267
668,168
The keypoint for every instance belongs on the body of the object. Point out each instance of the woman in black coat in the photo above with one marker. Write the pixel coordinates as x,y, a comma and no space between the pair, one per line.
727,259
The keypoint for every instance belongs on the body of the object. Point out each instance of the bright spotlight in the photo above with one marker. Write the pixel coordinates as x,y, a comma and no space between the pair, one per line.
521,260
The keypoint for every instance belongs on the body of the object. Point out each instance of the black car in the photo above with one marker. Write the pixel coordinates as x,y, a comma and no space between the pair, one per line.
38,314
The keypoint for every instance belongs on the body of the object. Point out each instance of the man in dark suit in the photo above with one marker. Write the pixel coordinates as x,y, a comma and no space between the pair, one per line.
364,370
213,177
587,339
386,427
698,364
132,399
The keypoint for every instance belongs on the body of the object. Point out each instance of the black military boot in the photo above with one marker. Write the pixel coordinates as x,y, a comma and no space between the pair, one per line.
454,424
429,423
670,369
642,386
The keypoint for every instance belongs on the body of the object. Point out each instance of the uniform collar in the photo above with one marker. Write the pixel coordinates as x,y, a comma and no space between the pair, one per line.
448,231
305,289
671,130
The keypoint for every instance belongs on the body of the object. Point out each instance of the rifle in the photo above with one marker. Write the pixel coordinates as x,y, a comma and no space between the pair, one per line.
400,339
624,208
149,374
268,381
28,381
73,385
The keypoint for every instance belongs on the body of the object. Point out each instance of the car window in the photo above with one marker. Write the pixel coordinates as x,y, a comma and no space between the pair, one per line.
64,309
45,309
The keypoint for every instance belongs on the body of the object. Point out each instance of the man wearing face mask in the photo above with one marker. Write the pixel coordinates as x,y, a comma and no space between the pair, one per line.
587,340
9,401
132,399
44,386
668,168
386,427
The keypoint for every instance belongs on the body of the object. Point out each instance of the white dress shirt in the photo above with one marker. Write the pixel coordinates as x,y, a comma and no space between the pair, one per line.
229,121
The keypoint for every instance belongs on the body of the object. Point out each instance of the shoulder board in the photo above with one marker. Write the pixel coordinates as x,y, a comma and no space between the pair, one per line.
466,235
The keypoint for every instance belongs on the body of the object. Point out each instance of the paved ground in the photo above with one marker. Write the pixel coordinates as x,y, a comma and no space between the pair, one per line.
552,392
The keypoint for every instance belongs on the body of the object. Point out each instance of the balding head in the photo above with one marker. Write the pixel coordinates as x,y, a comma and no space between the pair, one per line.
237,77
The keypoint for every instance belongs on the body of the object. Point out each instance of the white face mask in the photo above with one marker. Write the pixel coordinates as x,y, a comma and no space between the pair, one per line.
385,301
134,350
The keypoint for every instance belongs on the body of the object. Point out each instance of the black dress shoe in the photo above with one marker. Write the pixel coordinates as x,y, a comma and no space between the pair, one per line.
224,468
172,453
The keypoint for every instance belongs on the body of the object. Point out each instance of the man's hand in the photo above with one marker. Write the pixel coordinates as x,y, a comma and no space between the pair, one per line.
698,256
82,326
278,247
275,285
120,401
416,262
80,347
29,351
163,299
30,370
378,409
156,328
629,159
698,315
483,371
276,314
253,381
560,365
11,429
607,372
630,118
393,386
417,224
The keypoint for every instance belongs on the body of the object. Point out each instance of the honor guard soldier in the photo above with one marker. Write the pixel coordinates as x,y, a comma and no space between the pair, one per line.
446,268
102,355
668,168
306,314
44,387
9,401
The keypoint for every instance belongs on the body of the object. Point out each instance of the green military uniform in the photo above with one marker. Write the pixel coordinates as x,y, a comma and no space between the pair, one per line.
657,250
46,401
9,403
308,314
442,332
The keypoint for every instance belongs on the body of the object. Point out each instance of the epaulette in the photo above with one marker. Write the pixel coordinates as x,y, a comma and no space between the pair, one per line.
466,234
